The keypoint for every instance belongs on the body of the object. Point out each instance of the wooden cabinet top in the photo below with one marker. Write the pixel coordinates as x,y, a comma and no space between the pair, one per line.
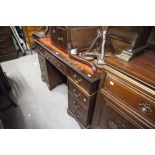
141,67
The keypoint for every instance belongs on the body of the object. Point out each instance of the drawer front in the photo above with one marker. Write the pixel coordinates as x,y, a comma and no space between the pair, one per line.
5,32
78,95
40,49
78,112
112,119
6,46
7,51
59,37
42,67
4,40
138,101
79,80
58,64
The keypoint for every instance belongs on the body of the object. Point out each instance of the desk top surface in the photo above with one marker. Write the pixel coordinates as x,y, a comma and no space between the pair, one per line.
79,67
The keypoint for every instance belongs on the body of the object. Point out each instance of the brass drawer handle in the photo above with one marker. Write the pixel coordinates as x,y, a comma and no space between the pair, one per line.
77,95
5,52
74,76
60,38
48,57
77,115
59,65
144,107
76,80
76,110
85,100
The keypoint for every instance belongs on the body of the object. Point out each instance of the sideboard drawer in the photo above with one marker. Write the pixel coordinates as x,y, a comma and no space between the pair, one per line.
135,99
113,119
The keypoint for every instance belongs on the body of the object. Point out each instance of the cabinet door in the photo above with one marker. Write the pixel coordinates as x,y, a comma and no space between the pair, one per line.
107,116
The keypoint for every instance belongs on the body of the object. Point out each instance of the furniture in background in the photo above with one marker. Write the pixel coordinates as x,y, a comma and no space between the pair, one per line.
82,82
126,96
28,33
7,47
41,33
5,90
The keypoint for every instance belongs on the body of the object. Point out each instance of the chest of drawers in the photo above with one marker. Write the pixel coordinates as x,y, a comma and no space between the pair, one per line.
80,102
127,99
7,47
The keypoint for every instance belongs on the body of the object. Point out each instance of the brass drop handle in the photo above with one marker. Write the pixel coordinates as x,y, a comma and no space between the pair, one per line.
59,65
77,95
74,76
76,81
79,80
76,114
60,38
48,57
145,107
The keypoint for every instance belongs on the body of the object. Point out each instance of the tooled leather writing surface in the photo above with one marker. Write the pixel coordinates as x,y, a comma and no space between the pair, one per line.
84,67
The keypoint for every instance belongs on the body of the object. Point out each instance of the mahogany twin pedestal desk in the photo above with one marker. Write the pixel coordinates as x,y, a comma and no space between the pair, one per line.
82,83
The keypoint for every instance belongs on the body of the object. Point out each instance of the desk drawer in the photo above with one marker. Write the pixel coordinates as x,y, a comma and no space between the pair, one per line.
112,116
57,63
84,99
41,50
10,50
42,67
137,100
77,110
79,80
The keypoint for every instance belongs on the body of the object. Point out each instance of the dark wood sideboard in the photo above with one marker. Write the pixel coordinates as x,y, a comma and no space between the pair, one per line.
7,47
56,67
126,96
